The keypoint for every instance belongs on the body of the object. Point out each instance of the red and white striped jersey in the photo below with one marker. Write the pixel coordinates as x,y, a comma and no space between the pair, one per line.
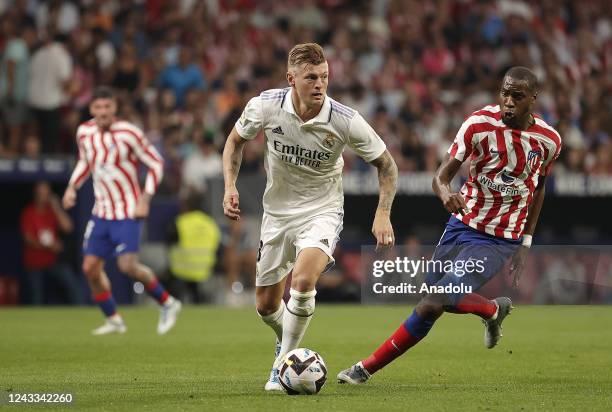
112,158
505,165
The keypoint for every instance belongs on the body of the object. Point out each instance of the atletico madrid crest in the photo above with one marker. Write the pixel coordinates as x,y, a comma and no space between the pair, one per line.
533,157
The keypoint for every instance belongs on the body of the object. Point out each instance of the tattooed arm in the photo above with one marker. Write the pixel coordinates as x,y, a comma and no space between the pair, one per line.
387,181
232,158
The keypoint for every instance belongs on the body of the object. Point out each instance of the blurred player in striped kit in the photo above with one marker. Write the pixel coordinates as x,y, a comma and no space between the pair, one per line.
511,151
110,150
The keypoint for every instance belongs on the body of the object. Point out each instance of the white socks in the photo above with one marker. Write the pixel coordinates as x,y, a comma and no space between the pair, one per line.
296,318
275,320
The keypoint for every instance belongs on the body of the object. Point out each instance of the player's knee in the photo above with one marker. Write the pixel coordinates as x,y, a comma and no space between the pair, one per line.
91,269
302,303
303,281
127,266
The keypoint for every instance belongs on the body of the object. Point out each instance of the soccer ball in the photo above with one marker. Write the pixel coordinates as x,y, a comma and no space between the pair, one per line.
302,372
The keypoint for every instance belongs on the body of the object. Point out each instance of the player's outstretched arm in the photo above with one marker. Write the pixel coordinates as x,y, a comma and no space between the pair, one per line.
232,158
453,202
533,215
387,182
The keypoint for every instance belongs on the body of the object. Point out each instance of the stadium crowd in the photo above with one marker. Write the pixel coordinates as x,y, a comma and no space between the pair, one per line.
184,70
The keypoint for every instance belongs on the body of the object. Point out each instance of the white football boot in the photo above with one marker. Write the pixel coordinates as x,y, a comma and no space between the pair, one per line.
493,327
114,324
273,383
354,375
167,315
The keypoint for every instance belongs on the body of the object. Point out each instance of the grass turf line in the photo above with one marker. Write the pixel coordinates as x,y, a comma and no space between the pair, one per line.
551,358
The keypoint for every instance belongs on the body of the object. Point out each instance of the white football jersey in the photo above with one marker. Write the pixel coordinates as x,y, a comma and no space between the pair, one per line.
303,160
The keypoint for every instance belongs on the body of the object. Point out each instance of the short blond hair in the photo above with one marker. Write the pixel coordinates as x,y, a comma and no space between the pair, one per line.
305,53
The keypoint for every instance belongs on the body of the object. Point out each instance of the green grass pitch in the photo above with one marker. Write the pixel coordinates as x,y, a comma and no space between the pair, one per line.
551,358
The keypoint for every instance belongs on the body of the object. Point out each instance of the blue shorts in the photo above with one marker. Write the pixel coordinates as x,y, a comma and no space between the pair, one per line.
470,258
107,238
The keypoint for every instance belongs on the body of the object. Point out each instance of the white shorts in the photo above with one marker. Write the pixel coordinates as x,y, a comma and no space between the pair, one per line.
282,240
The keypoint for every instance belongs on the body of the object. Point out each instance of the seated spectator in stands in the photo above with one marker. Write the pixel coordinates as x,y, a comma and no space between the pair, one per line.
182,77
195,238
41,222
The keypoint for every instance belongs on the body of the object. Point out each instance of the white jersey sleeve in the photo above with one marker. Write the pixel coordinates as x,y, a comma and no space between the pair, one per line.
364,140
251,120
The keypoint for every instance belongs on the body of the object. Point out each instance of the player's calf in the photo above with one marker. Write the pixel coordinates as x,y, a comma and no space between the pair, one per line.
297,315
430,307
473,303
271,307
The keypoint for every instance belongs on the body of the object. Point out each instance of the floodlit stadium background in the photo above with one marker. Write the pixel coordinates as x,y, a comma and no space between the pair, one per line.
184,70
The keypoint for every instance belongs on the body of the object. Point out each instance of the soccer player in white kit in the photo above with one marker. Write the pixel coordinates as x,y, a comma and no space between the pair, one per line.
305,133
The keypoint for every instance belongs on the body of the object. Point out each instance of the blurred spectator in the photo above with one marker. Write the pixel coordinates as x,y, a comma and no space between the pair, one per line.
182,77
240,242
83,82
41,222
412,68
60,15
128,74
564,282
195,238
31,146
105,52
14,81
51,69
204,163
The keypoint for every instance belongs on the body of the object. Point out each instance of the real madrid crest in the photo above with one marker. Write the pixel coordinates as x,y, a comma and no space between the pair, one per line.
329,141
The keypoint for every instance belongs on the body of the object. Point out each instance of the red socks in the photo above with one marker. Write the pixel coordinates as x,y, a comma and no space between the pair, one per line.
476,304
392,348
157,292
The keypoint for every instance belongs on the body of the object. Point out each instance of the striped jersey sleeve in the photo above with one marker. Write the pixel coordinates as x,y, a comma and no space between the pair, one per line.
149,156
81,170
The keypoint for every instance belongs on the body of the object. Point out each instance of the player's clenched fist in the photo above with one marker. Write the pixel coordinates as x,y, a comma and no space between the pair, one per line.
231,203
383,231
69,199
454,203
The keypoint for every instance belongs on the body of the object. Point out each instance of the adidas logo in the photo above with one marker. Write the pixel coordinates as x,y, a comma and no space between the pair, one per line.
325,242
278,130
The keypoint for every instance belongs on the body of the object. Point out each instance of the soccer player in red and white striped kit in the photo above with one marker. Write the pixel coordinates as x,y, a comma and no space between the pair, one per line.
493,218
110,150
